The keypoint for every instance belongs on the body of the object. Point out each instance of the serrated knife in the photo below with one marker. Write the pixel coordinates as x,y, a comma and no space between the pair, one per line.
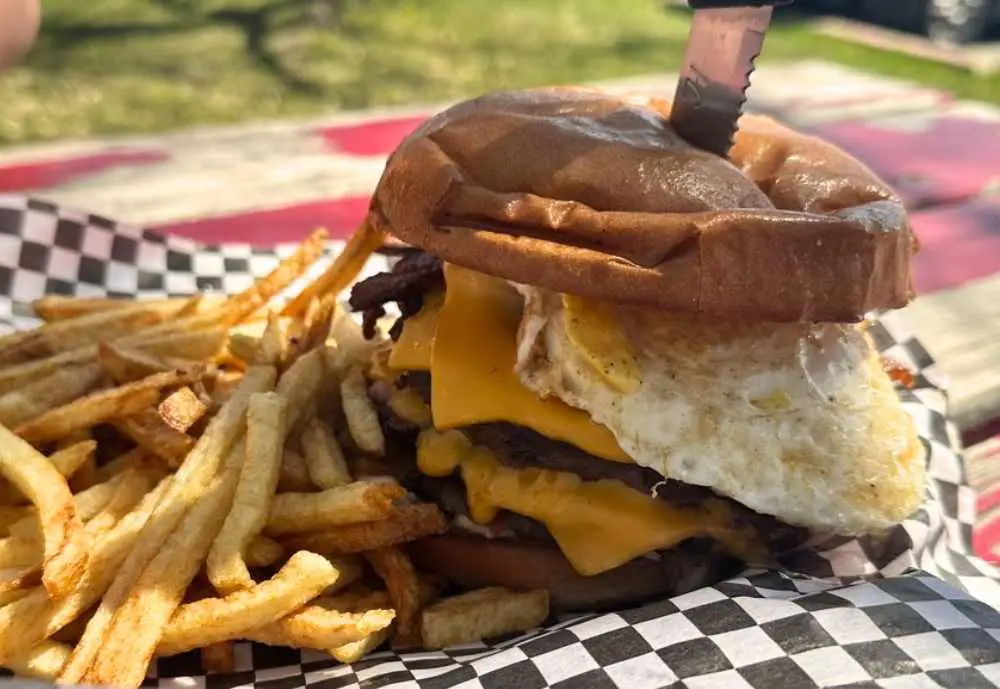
726,37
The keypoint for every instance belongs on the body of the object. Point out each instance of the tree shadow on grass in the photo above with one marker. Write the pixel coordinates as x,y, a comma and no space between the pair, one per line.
256,24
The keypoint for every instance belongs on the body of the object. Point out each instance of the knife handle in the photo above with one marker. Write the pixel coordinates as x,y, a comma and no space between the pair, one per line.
718,4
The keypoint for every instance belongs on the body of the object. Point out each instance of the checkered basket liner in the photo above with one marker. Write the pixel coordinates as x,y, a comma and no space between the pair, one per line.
911,608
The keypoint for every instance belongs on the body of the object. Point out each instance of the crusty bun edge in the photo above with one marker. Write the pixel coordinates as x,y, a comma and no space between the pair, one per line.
815,235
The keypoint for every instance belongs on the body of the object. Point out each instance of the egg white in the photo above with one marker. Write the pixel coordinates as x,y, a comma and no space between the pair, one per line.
794,420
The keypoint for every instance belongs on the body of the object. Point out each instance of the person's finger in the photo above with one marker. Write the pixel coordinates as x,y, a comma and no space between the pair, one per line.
19,20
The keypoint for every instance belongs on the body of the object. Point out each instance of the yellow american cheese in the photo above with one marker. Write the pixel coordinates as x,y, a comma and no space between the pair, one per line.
471,341
412,351
598,525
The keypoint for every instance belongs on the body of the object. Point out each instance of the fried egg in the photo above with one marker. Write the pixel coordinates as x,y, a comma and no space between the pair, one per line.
794,420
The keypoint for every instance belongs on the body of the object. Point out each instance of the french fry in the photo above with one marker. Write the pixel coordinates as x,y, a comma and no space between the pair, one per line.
211,620
355,598
60,387
272,344
315,328
243,347
129,489
224,383
174,341
219,658
12,514
85,476
17,552
322,629
64,544
21,375
18,582
191,306
354,651
133,458
324,458
244,304
361,501
44,661
58,308
66,461
198,345
394,568
482,614
124,364
362,244
293,475
263,552
353,348
89,504
186,488
99,407
150,432
266,418
300,385
404,524
64,336
407,404
362,419
138,622
182,409
35,616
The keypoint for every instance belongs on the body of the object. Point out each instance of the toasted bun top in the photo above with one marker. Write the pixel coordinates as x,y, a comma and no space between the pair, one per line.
580,192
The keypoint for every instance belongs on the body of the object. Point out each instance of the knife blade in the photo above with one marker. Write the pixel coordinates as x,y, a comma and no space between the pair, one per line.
715,75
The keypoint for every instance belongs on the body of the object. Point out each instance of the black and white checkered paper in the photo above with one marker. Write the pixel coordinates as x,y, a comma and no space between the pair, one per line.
909,609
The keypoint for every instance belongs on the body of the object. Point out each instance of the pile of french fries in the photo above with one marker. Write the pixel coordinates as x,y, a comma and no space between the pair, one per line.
183,474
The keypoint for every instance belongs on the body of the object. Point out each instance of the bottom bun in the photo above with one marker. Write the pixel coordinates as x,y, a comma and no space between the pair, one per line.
474,562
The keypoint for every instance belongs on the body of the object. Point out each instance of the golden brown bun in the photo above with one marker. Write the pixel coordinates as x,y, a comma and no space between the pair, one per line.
474,562
580,192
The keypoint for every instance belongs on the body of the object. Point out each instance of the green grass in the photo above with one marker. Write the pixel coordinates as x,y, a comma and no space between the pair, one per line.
119,66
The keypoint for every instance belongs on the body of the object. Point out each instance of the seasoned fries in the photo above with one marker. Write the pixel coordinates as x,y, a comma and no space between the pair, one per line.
63,540
480,615
361,501
99,407
324,458
212,620
258,479
79,332
396,570
263,552
62,386
45,661
150,432
323,629
404,524
362,419
211,435
362,244
182,409
294,474
126,364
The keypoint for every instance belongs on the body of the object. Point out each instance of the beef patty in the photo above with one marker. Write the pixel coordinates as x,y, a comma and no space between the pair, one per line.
516,446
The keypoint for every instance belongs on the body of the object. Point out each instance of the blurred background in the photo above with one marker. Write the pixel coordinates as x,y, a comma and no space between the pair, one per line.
129,66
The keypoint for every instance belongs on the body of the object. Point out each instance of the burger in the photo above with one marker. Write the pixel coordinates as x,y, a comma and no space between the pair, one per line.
624,367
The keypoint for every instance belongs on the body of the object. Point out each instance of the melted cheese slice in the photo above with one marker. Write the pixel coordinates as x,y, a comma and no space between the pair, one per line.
598,525
412,351
469,344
